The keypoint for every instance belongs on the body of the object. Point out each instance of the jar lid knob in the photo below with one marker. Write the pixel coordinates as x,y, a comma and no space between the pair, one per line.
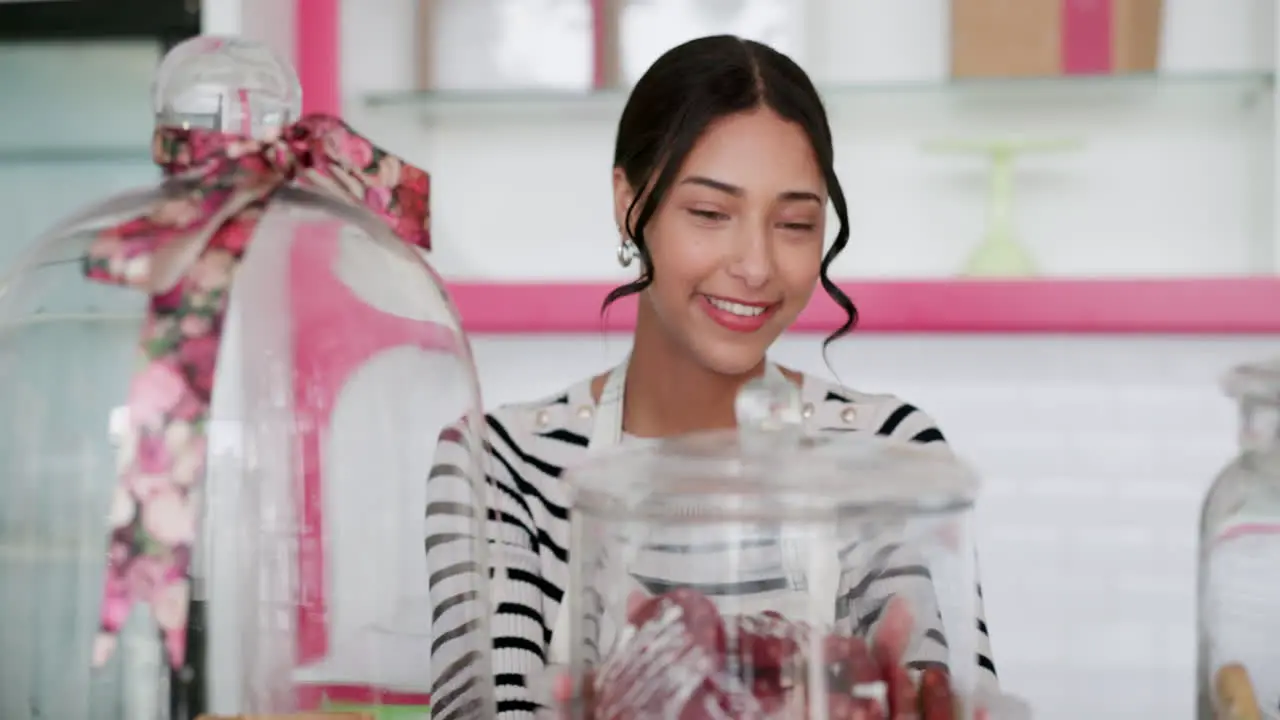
769,412
226,84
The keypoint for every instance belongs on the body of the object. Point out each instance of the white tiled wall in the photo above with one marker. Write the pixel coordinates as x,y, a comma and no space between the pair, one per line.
1095,452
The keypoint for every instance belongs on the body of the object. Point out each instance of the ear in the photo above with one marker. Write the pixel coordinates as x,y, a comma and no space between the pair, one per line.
623,196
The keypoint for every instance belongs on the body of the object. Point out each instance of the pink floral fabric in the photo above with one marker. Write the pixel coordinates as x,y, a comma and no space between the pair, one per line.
225,183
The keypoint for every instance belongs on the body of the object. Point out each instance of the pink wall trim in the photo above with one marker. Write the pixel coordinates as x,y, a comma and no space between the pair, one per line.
599,32
316,697
317,45
1192,306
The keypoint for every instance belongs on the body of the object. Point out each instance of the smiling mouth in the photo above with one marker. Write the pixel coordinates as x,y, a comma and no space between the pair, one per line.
740,309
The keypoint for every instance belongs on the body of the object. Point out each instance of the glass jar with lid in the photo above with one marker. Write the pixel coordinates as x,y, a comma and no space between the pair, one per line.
217,399
763,573
1238,672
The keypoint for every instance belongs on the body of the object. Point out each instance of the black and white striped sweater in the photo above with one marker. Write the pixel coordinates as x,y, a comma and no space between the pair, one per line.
527,448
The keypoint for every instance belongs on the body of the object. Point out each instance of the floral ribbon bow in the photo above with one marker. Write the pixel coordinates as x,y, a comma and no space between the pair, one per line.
184,252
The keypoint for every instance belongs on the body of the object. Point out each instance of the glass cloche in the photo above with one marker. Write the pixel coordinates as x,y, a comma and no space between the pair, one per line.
763,573
212,492
1239,597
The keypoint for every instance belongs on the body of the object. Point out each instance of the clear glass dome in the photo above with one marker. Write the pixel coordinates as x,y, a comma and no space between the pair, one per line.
763,574
340,363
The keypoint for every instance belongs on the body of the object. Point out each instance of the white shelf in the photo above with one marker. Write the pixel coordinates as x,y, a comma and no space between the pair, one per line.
524,106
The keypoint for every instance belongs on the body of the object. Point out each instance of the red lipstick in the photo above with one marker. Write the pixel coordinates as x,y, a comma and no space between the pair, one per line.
738,315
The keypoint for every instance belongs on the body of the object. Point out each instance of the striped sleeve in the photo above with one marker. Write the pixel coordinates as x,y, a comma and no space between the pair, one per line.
896,569
516,625
904,421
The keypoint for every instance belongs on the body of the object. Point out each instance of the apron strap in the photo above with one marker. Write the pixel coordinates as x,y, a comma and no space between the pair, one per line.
607,431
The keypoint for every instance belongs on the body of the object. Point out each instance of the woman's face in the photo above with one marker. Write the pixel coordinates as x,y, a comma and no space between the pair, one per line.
737,242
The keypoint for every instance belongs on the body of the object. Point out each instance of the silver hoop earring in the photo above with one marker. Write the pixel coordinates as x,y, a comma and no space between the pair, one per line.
627,252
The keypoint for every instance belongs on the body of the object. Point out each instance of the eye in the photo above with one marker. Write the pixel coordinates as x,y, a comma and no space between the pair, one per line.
708,214
799,227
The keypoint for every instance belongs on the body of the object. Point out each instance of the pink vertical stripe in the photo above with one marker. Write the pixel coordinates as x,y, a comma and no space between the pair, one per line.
599,33
312,417
317,58
313,698
246,113
1086,36
317,44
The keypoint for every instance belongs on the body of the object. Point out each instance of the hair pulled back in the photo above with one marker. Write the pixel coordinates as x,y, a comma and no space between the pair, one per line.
674,102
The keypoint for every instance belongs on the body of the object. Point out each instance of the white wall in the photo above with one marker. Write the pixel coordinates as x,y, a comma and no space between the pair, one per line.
1096,450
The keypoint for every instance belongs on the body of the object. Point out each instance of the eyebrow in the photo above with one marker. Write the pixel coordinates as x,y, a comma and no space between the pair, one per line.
736,191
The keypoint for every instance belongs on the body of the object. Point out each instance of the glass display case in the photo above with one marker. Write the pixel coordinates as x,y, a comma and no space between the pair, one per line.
212,492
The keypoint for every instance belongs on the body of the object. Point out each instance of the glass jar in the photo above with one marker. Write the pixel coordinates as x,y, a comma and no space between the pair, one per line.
762,573
1238,672
300,563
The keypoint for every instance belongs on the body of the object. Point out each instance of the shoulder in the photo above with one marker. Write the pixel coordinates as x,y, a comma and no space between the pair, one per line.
549,429
835,407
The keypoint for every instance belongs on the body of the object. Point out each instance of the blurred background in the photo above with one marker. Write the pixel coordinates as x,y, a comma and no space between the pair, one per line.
1063,232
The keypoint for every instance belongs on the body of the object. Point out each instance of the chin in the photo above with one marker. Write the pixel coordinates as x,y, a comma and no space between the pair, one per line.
730,359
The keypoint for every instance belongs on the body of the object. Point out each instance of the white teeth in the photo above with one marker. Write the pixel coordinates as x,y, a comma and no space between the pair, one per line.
735,308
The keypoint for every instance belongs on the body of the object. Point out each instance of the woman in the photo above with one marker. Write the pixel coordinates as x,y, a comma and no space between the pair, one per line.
722,174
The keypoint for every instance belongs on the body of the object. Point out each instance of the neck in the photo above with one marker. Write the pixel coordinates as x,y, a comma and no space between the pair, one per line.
669,393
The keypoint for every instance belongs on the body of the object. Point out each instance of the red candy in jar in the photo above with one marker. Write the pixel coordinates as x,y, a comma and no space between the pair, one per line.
686,662
845,707
842,706
763,644
686,610
677,643
708,702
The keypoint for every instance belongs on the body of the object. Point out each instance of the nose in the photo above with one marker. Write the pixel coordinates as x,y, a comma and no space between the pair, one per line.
752,258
